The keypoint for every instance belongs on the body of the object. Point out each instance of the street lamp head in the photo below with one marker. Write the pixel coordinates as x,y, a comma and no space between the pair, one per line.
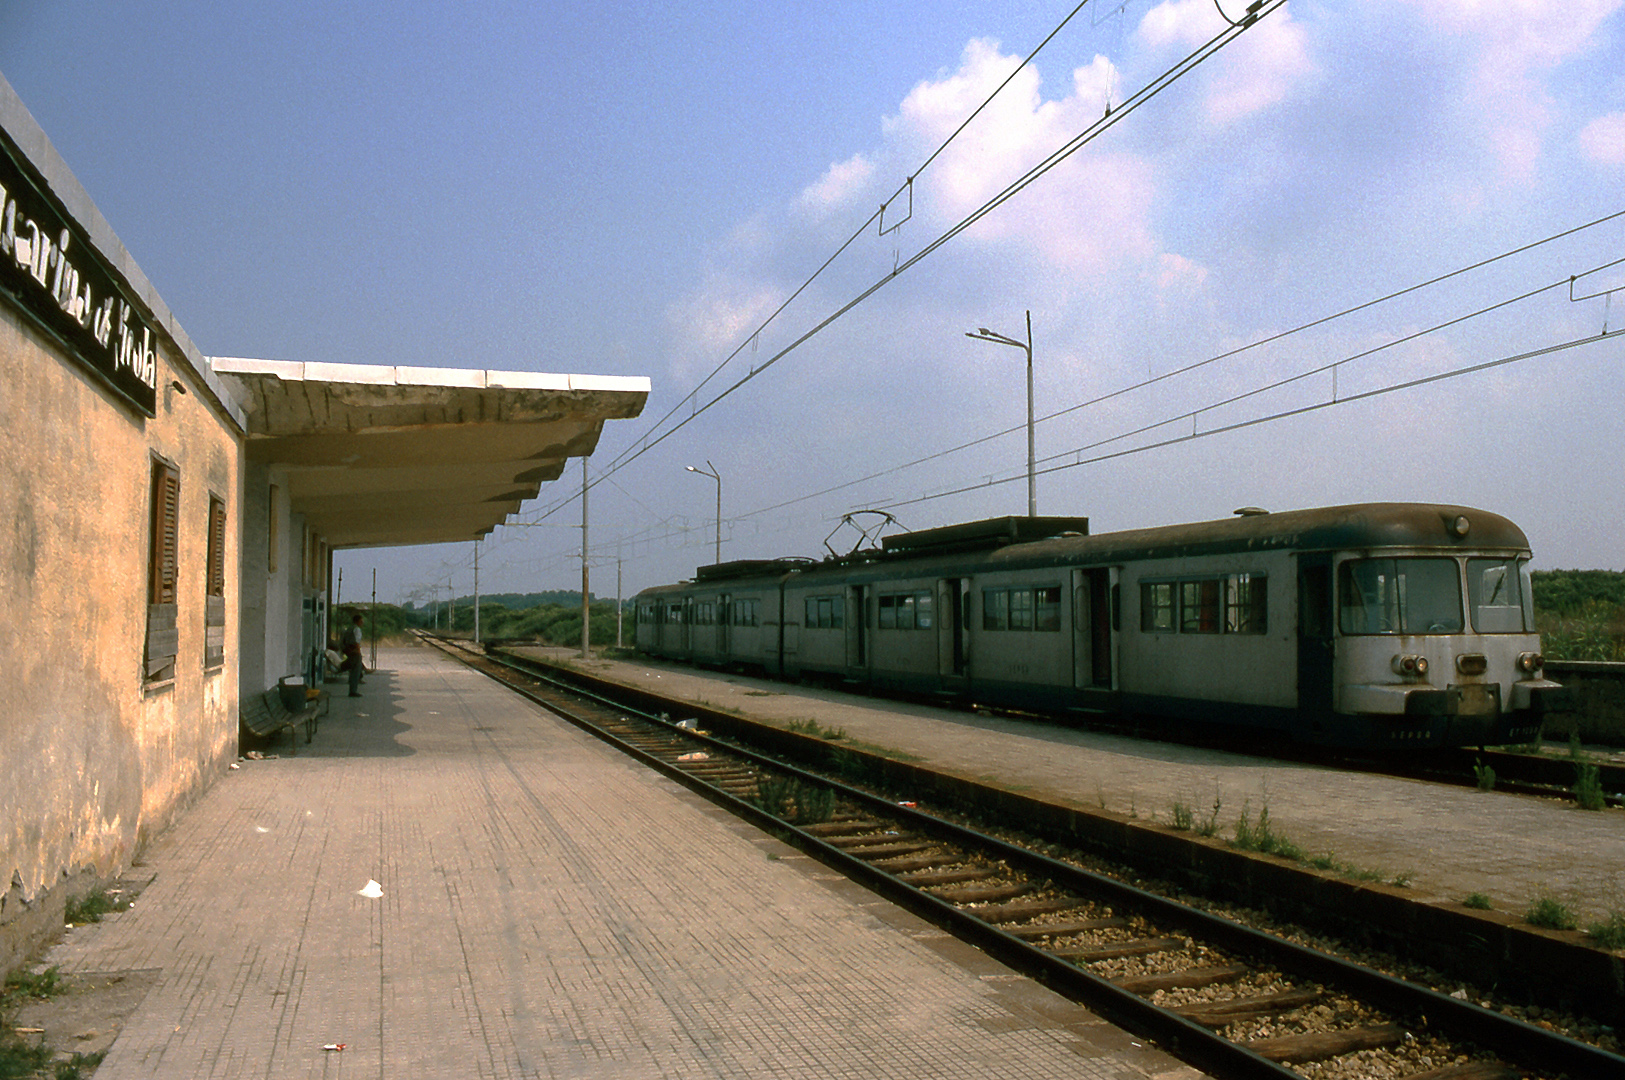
983,330
691,468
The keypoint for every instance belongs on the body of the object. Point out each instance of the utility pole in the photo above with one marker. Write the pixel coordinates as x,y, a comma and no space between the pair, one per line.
617,601
476,592
586,613
984,334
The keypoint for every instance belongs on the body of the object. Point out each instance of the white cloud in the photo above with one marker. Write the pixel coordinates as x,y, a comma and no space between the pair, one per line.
1089,213
840,183
709,323
1256,70
1178,272
1516,43
1603,140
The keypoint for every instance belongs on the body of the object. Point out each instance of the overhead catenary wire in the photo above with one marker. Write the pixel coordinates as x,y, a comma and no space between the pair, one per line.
877,219
1348,399
1111,118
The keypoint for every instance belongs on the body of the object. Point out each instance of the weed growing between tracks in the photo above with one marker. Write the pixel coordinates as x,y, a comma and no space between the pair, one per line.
1485,775
788,799
1477,901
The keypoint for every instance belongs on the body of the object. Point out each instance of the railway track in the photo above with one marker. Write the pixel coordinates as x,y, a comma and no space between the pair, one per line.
1230,999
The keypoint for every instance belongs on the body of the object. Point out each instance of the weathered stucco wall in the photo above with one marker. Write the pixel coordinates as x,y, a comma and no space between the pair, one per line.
92,760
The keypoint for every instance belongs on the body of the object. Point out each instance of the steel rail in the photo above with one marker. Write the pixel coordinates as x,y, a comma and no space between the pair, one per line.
1514,1039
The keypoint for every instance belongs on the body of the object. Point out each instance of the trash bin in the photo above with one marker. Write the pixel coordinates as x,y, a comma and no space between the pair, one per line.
292,688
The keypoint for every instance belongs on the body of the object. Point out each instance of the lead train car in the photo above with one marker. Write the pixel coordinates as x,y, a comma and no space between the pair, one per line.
1377,626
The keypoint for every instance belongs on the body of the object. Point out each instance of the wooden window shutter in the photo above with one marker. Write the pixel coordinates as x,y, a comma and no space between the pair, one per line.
163,573
217,547
166,497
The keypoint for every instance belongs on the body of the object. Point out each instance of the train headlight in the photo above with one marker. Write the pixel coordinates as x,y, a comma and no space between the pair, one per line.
1409,665
1530,662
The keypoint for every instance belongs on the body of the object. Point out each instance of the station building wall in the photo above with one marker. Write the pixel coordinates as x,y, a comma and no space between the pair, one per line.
102,743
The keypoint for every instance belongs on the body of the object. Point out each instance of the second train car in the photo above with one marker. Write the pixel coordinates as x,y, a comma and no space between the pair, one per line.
1380,626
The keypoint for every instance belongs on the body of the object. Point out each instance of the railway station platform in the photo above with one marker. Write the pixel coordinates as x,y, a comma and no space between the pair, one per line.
451,882
1444,843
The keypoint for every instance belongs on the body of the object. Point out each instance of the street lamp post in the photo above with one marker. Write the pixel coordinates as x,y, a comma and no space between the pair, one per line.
984,334
713,474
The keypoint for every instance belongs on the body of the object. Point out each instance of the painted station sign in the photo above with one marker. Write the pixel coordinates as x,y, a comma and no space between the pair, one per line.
50,271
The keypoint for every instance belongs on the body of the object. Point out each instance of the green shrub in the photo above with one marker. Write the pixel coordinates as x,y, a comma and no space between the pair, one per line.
46,984
21,1059
1477,901
1485,775
91,908
1610,933
78,1067
1550,913
1262,837
1588,788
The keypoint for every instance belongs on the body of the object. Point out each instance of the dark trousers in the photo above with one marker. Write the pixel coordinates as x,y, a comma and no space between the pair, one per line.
353,663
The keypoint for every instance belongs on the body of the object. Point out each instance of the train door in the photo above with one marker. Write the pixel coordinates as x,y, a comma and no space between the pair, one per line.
1315,640
1094,645
724,618
857,637
953,636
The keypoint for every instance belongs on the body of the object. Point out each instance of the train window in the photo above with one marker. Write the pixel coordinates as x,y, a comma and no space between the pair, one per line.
1496,596
1199,607
1047,613
1157,607
1399,596
824,612
1244,606
995,609
905,611
1021,609
746,612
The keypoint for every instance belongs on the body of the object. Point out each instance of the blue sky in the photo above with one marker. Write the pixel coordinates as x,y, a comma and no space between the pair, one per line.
616,189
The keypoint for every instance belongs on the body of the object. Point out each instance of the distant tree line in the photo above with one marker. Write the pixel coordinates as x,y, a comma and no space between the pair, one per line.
1580,613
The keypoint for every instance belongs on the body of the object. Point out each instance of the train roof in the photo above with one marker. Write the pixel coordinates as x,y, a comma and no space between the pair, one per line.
1364,526
1331,528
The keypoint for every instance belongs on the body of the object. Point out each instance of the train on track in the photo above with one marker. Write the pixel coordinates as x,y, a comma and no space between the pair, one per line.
1376,626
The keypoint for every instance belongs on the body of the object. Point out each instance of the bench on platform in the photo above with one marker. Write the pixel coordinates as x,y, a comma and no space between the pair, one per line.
266,714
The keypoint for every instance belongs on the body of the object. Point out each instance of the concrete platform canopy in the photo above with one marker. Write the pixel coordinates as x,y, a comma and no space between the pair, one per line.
376,455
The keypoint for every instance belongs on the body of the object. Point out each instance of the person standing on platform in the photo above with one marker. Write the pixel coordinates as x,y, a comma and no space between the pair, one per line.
352,654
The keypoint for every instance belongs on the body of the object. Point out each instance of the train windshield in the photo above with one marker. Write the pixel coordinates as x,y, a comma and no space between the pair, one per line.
1498,595
1400,596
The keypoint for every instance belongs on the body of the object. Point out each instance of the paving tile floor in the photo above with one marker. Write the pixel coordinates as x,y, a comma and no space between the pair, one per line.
548,909
1445,842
